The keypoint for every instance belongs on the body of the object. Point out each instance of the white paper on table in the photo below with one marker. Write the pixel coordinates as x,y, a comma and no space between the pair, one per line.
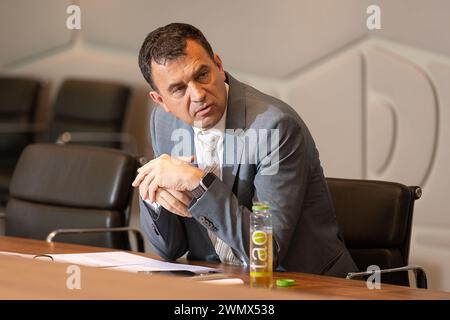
156,265
22,255
228,281
124,261
101,259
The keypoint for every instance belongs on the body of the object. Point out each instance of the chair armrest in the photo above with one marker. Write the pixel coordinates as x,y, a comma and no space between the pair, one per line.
419,274
122,137
137,233
125,138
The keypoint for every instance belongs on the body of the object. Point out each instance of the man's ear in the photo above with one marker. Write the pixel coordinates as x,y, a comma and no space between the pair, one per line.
219,64
157,98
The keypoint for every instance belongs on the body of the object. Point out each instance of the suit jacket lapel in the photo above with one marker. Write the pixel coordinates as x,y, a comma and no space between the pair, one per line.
234,132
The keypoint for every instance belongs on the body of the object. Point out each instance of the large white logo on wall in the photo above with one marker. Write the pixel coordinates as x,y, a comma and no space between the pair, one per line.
402,119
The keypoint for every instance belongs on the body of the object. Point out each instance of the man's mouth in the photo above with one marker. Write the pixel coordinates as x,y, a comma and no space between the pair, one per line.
203,110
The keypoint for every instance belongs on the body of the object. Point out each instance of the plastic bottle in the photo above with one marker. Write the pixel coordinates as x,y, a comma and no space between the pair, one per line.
261,251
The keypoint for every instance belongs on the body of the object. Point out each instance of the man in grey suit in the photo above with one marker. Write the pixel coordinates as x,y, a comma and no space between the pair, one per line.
212,162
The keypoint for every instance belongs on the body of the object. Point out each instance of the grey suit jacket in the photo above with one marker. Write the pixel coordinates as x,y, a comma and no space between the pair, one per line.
288,176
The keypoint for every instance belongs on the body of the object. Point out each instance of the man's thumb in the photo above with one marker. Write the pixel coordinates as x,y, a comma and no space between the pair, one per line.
187,159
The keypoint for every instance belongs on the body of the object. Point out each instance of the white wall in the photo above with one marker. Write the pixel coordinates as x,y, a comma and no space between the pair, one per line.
377,102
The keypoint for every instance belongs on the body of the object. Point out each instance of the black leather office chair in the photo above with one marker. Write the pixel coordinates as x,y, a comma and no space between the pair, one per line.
18,102
375,218
75,193
90,112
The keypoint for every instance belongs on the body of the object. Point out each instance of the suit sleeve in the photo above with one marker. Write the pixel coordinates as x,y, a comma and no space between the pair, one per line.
279,175
164,229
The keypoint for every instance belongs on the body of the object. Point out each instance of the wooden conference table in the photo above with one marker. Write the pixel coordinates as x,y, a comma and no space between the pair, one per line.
22,278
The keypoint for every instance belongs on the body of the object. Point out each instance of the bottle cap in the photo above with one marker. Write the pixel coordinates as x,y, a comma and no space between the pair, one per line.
285,282
260,206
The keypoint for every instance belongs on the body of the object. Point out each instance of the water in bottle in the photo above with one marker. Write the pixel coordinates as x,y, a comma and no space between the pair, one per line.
261,255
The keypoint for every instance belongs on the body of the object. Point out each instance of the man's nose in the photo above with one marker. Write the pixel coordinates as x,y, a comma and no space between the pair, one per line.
198,93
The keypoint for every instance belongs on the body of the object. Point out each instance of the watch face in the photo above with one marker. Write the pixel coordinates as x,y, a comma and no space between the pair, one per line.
208,179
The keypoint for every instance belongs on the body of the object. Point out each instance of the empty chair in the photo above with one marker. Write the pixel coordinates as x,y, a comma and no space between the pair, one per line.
90,112
72,187
375,218
18,102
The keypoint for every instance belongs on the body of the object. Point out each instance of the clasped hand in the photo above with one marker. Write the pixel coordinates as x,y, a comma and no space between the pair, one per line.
168,181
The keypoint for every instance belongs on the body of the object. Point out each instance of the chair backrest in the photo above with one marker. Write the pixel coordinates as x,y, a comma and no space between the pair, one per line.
18,102
89,106
71,186
375,218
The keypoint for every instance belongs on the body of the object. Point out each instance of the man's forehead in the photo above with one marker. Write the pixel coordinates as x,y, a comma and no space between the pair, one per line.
169,64
179,67
176,70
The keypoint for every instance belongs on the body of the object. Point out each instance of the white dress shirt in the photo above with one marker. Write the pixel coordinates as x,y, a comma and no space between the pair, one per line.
219,130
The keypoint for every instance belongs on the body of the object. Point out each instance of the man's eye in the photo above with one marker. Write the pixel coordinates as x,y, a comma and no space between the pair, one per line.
178,90
202,75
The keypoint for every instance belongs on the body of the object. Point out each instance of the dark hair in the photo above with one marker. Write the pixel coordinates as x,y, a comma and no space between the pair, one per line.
168,43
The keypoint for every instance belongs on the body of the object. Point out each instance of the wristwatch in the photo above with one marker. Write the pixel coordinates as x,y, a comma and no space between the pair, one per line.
204,184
